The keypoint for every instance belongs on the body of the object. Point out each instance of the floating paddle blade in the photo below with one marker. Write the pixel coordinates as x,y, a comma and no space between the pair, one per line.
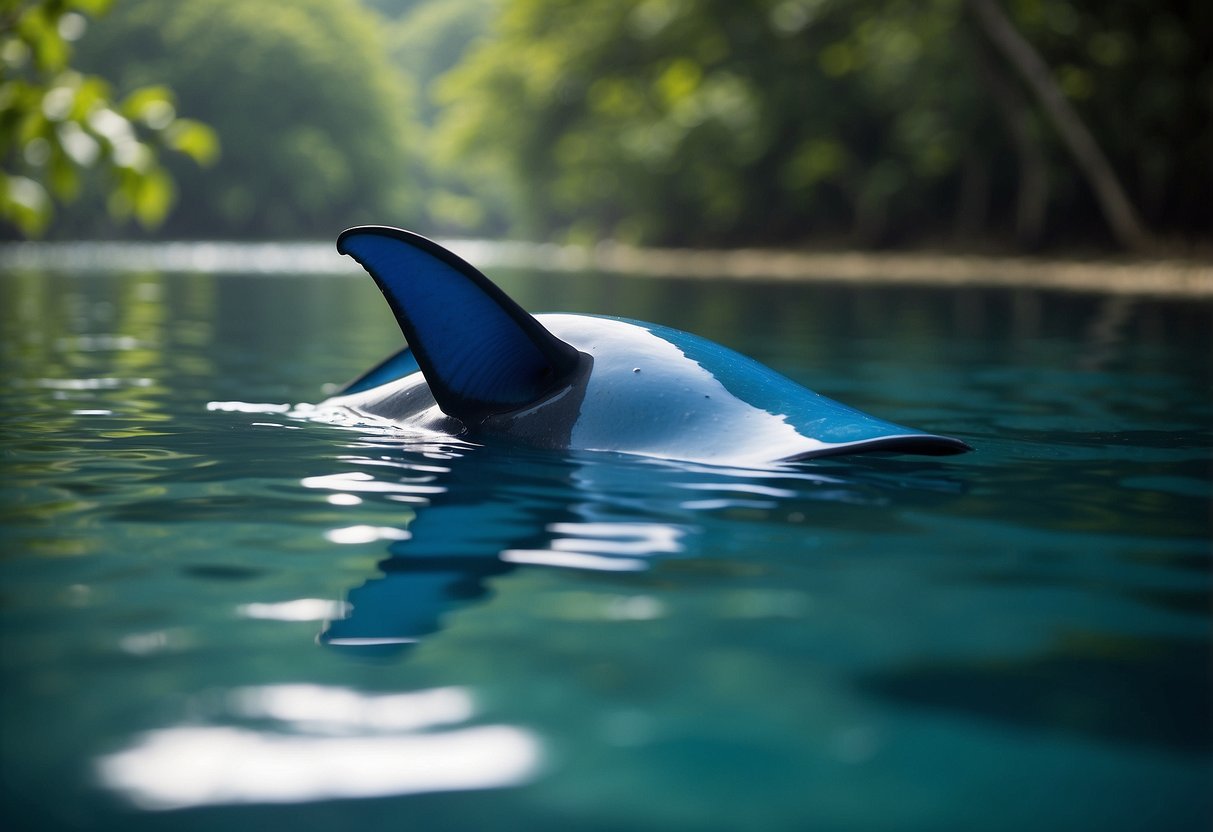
481,353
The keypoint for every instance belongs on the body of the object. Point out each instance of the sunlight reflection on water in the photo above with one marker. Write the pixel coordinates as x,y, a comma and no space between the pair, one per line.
325,743
608,547
301,609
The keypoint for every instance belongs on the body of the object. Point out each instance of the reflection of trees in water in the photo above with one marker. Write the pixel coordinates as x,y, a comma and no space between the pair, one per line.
116,343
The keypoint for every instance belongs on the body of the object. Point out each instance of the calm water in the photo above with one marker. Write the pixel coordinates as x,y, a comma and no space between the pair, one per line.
218,617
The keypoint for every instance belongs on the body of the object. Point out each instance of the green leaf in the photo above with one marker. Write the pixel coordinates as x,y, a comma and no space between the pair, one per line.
93,7
38,28
93,92
195,139
64,180
25,204
152,105
153,198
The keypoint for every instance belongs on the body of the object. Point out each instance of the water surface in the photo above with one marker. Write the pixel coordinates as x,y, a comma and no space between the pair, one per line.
217,616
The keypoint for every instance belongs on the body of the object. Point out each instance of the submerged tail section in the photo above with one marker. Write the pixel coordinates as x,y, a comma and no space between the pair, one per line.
480,352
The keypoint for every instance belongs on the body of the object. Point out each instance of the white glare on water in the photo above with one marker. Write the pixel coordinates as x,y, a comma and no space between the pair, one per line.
326,743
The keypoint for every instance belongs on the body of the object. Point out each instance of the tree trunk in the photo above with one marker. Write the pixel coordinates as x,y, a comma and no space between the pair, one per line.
1117,209
1032,195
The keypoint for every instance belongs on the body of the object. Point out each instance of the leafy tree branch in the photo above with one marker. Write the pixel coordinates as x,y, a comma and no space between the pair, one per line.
58,124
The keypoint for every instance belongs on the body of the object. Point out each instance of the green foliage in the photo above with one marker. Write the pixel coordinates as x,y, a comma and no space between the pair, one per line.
316,122
746,120
427,40
701,122
1142,76
872,121
56,122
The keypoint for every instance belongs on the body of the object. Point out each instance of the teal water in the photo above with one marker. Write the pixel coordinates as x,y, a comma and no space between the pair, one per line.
219,617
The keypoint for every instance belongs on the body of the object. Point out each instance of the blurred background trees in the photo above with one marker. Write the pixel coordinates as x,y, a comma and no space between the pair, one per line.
689,122
316,122
868,121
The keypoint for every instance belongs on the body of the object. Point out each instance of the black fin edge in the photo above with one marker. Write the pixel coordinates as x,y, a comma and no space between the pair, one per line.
921,444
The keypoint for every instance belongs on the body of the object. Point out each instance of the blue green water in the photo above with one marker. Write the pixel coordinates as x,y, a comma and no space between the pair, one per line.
216,616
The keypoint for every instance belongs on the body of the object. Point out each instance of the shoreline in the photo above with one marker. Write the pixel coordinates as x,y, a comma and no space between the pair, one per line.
1162,277
1159,277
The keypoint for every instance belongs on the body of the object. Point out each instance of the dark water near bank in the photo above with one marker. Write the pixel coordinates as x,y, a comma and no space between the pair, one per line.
216,617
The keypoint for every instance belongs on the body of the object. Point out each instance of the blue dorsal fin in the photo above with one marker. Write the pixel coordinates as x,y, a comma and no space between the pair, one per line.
481,353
